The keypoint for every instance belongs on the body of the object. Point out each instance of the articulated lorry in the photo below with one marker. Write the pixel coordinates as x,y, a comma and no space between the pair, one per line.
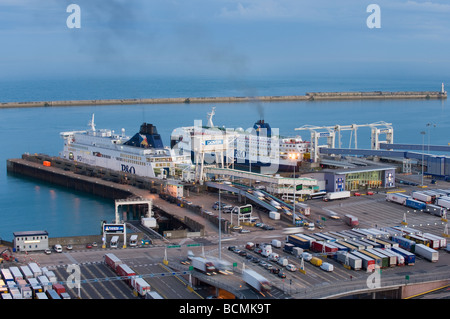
256,281
336,195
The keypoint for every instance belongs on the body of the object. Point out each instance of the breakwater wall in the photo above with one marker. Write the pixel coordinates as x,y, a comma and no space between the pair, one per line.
236,99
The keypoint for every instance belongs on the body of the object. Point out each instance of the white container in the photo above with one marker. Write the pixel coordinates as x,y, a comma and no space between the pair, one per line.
426,252
327,266
274,215
276,243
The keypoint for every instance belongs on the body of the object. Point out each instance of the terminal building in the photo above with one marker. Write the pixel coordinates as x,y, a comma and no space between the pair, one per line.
355,179
30,240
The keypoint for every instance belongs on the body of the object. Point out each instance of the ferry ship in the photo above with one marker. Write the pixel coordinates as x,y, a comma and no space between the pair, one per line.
247,149
143,154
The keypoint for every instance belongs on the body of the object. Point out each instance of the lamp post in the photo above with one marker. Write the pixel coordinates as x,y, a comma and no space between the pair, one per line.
429,125
423,146
294,156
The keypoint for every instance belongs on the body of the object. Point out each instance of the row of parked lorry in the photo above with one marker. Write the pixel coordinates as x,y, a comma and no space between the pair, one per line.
435,202
140,287
30,282
365,248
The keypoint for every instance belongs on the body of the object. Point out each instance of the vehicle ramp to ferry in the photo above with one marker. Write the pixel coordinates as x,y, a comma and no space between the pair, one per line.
241,191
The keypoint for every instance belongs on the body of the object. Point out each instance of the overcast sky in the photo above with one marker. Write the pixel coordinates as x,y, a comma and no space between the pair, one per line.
223,37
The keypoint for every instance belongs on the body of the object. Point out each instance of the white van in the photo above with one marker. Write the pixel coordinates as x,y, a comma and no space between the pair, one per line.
327,267
114,242
274,257
133,240
57,248
306,256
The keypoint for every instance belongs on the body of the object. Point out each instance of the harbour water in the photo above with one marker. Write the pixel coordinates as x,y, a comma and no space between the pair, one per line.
32,205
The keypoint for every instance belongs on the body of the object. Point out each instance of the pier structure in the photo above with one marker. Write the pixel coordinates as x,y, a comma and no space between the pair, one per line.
310,96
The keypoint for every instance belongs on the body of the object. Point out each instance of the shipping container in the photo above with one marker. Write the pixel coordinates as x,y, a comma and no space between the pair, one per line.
385,262
41,295
427,252
415,204
3,287
410,258
323,247
140,286
50,275
348,259
442,240
326,237
418,239
35,269
392,259
349,246
153,295
434,210
422,196
316,261
125,271
274,215
288,247
59,288
400,258
356,244
298,241
443,202
35,286
26,271
44,282
6,275
112,261
16,273
15,293
404,243
378,260
367,263
338,246
24,289
336,195
351,220
397,198
51,294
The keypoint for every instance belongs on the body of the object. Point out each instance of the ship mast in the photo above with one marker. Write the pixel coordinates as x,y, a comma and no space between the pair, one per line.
210,116
91,123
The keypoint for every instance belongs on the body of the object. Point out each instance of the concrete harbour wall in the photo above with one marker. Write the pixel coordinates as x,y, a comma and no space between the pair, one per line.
234,99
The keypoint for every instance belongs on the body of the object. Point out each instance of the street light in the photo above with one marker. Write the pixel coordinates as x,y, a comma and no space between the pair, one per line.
294,156
429,125
423,143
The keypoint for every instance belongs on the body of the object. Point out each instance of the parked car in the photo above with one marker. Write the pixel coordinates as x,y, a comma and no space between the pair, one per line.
281,274
291,267
69,247
48,251
88,246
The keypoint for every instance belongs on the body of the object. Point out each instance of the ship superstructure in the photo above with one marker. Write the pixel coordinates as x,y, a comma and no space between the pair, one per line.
143,154
256,147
